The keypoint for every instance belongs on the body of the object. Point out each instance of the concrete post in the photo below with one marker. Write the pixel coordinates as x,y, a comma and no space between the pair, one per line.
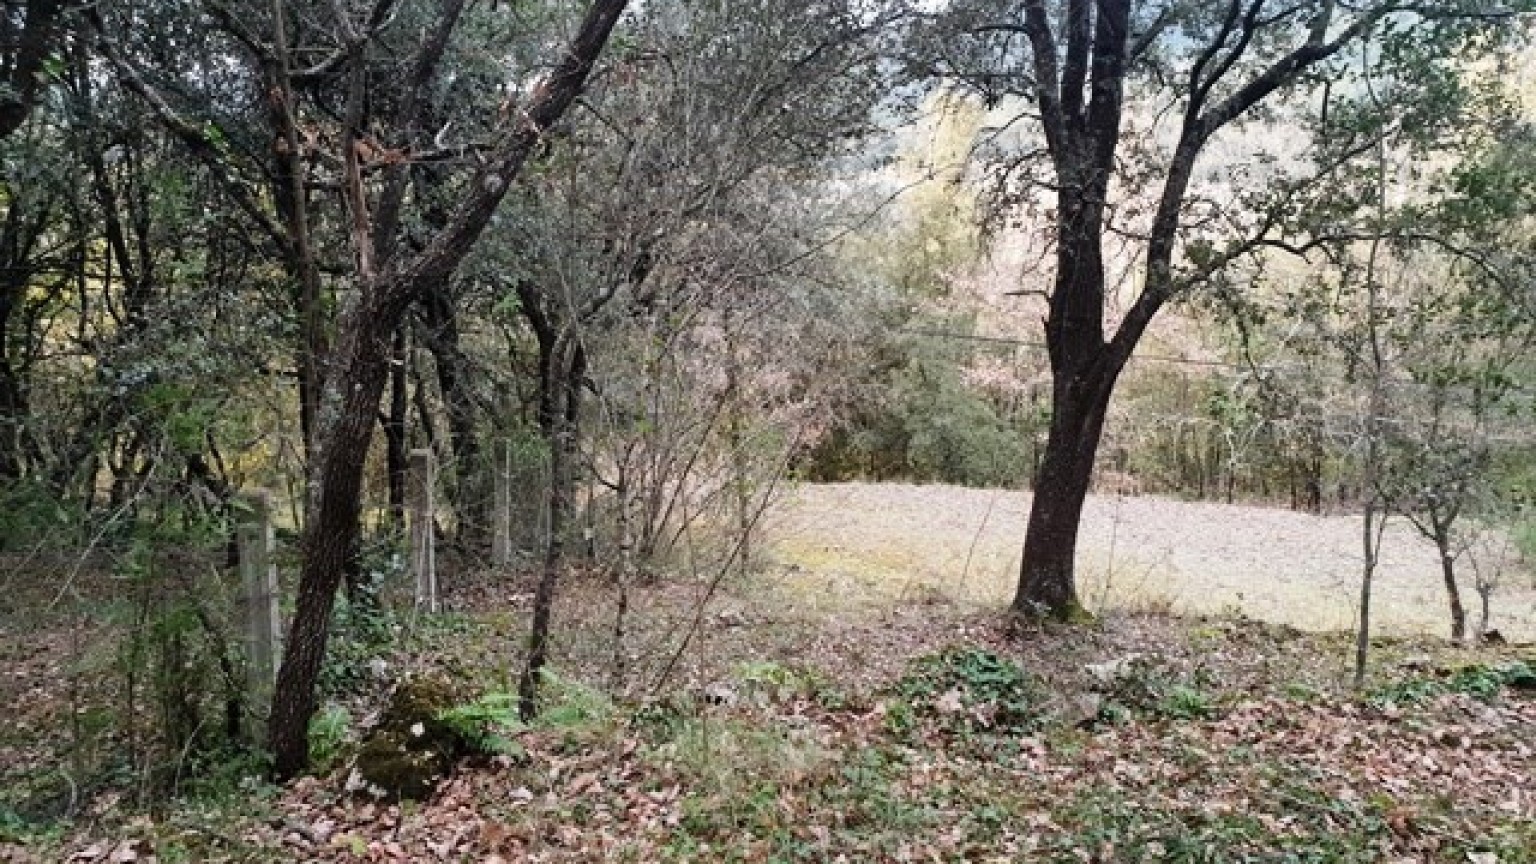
263,623
501,528
421,479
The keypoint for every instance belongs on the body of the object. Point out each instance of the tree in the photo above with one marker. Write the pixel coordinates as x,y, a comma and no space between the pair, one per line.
360,365
29,33
661,210
1075,63
387,273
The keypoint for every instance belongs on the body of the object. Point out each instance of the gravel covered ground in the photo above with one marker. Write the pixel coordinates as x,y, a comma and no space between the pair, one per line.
847,543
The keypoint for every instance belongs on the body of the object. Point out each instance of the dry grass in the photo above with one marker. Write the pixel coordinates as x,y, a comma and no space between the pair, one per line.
864,545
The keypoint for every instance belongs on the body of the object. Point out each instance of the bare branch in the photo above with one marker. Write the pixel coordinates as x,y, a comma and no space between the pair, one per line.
1047,84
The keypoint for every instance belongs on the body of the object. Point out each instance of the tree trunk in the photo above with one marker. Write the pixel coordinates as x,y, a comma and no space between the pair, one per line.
471,500
1047,577
563,380
330,531
1452,591
25,56
1485,600
394,432
13,407
1370,547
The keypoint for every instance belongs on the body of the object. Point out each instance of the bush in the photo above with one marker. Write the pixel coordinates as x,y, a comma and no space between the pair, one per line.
328,731
921,421
1477,680
31,515
486,724
1143,685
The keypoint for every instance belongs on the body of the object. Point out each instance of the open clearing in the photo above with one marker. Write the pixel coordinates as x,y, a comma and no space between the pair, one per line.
879,541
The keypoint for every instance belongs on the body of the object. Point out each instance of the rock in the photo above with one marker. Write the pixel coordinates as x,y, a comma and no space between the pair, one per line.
1112,671
1418,662
1085,709
731,618
392,771
411,748
721,694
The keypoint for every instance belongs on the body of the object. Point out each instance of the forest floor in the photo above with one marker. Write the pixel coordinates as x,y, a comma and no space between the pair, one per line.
793,715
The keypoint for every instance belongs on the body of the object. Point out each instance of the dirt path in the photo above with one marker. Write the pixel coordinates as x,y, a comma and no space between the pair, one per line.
843,543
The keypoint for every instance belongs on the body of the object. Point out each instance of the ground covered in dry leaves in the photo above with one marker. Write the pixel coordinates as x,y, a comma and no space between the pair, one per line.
920,732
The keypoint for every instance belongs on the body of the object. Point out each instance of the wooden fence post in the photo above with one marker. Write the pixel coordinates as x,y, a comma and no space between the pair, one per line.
501,528
420,482
263,624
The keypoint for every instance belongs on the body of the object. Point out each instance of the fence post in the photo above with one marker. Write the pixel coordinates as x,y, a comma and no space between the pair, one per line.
263,625
501,527
420,481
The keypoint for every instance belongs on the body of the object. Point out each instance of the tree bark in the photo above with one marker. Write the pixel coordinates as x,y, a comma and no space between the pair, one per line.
331,530
1082,137
567,369
470,499
394,432
1452,590
1047,584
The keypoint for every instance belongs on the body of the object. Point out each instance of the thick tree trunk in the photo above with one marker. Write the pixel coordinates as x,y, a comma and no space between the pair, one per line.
1047,577
1083,372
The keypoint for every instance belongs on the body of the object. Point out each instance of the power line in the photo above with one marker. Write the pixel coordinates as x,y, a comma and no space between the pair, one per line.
1151,358
1031,343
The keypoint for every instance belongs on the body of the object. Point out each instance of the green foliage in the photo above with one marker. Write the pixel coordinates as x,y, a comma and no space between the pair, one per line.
923,422
1523,534
487,723
360,634
737,771
1150,689
30,514
1184,703
1485,682
177,658
663,719
330,732
866,794
1322,831
970,690
573,707
770,682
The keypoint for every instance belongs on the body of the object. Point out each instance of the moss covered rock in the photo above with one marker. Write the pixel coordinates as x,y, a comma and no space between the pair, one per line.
411,748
